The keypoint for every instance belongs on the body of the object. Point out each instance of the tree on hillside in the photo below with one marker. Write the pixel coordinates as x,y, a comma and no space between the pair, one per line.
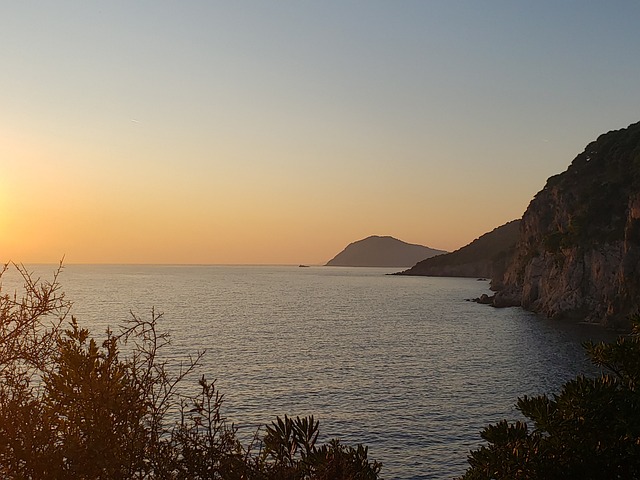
590,430
71,407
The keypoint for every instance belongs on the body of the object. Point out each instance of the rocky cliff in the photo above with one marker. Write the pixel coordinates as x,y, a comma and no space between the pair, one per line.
486,256
376,251
578,254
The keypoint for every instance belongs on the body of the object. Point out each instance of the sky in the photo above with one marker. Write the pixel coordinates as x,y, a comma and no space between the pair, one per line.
269,132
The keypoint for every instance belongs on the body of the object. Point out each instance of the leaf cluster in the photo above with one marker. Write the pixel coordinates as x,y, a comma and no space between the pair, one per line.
290,453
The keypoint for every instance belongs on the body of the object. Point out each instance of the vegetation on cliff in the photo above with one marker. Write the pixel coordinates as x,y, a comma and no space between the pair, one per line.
484,257
578,254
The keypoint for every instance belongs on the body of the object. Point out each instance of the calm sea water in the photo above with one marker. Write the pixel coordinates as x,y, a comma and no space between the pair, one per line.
404,365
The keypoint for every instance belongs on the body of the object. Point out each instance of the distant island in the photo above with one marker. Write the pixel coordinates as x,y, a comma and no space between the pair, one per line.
382,251
486,256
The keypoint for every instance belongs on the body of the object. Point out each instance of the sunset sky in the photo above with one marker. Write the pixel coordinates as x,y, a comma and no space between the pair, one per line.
279,132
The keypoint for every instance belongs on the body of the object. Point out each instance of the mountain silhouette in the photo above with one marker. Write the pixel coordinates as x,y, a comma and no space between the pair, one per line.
378,251
483,257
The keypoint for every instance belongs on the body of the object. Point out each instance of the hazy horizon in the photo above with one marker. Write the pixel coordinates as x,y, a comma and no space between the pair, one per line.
270,133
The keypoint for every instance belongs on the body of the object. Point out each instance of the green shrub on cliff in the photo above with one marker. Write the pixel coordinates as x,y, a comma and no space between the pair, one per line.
590,430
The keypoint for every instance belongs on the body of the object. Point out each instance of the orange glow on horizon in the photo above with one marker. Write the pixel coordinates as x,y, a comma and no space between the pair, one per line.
208,134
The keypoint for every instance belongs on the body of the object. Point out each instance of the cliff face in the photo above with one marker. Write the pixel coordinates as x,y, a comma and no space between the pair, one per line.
578,255
486,256
376,251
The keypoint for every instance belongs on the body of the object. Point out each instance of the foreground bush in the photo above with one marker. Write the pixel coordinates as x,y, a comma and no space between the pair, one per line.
590,430
73,408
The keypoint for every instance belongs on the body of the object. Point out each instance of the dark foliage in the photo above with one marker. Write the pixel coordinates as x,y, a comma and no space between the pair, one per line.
484,257
290,453
590,430
73,408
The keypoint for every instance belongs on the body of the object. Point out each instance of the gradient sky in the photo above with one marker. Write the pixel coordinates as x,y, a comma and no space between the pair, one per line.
279,132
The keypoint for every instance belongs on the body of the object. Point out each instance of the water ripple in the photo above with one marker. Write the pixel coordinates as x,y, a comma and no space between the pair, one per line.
402,364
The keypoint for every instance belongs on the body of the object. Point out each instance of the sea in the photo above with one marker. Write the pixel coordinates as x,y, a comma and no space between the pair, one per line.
407,366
